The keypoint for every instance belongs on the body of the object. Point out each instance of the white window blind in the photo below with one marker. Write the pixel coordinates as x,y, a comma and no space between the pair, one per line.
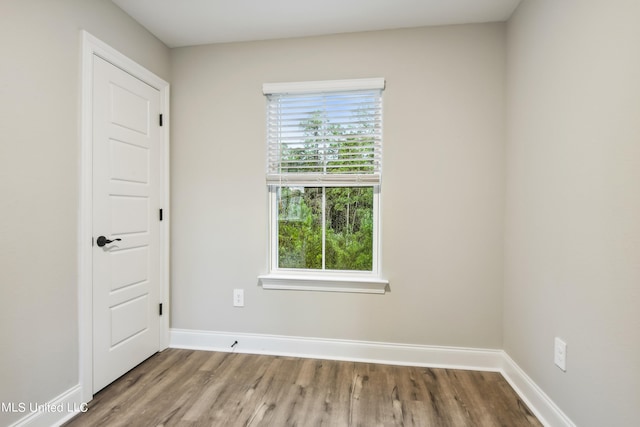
324,133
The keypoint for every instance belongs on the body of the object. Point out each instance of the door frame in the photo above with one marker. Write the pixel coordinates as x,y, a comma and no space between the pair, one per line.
91,46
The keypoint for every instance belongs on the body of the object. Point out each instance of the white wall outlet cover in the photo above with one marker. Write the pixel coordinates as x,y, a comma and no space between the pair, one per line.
238,297
560,354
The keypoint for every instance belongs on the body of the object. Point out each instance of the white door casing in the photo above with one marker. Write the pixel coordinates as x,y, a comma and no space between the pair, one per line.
126,190
124,182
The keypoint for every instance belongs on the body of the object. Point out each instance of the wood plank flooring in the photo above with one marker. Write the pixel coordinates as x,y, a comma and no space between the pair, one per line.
199,388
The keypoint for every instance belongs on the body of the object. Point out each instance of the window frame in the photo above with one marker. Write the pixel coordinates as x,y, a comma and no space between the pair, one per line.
323,279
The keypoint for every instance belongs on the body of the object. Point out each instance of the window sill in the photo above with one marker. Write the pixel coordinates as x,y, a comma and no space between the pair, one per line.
322,283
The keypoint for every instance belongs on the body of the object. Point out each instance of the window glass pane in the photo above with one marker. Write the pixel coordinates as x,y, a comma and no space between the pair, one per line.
349,229
300,227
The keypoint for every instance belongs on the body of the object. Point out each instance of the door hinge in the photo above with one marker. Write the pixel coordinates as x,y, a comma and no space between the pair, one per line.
160,214
160,119
160,309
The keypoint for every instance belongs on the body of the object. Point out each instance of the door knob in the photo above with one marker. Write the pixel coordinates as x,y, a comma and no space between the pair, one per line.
104,241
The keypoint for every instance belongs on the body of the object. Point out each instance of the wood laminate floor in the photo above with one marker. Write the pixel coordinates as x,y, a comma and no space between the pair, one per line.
200,388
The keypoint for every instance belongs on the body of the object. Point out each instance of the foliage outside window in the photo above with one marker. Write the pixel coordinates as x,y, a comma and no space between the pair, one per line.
323,172
344,228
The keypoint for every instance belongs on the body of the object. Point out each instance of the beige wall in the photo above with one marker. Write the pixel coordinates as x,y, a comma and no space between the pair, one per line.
39,170
573,206
443,186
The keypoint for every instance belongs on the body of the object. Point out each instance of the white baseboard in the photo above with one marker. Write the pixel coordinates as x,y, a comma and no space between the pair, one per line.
376,352
357,351
537,400
52,413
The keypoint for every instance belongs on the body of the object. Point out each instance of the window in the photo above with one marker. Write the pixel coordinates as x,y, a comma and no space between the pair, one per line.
324,163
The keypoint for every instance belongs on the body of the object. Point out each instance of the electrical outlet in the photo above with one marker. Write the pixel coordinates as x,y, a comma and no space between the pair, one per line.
238,297
560,354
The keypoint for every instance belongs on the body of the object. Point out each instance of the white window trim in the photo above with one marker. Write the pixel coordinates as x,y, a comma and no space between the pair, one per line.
323,280
323,86
324,283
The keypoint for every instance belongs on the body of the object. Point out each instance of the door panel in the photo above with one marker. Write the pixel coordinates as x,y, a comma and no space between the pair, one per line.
129,109
129,267
126,197
129,319
129,214
129,163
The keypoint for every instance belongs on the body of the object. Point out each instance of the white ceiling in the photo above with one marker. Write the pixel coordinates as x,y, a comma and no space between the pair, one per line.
193,22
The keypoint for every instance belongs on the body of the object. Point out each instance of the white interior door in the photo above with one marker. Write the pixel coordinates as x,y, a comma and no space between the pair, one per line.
126,202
